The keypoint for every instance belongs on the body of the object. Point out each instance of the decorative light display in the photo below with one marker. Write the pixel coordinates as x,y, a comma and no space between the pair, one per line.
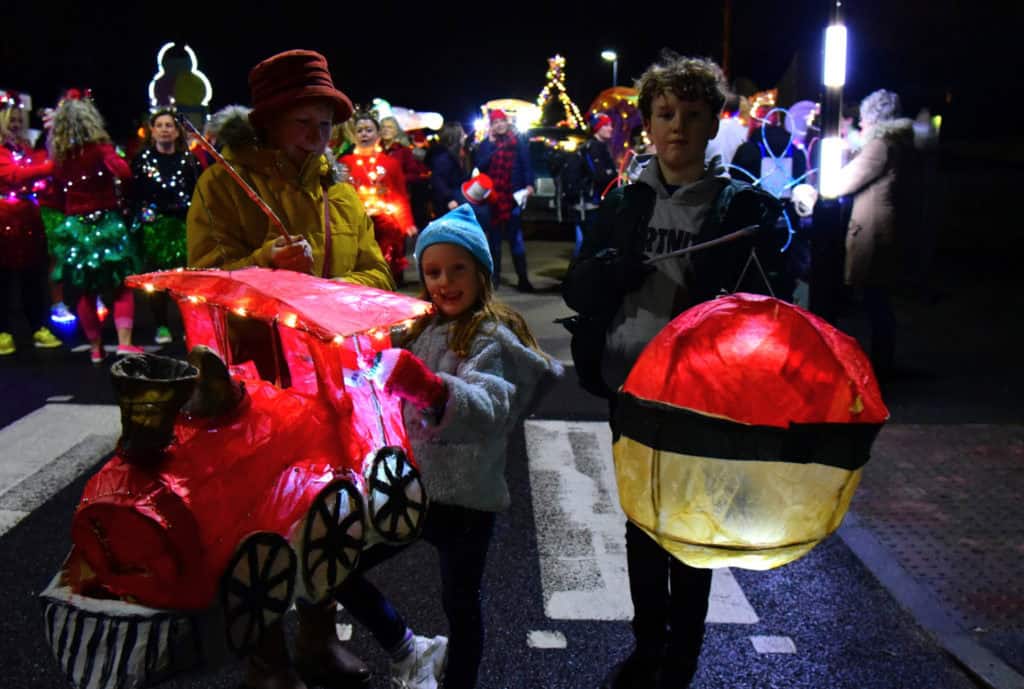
555,87
620,104
178,84
266,487
151,169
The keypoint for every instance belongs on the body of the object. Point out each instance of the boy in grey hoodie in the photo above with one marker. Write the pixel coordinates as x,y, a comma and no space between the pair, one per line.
623,302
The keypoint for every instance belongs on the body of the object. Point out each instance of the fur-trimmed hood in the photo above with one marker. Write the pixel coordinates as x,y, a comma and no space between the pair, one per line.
241,142
899,130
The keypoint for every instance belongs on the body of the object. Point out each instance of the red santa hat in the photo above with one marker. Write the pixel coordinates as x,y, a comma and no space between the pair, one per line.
495,115
478,189
600,121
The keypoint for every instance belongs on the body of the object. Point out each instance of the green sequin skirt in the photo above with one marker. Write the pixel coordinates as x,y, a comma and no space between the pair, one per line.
94,251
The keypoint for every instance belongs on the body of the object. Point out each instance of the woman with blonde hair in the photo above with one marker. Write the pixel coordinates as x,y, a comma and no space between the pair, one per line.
93,249
396,143
23,256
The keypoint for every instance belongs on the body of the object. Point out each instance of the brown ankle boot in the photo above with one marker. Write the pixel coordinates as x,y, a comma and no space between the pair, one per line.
320,656
270,667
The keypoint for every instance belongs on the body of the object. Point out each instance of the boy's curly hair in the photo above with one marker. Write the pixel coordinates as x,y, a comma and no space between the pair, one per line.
688,78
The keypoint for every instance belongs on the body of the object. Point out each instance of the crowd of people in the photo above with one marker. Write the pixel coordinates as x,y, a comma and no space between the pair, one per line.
471,370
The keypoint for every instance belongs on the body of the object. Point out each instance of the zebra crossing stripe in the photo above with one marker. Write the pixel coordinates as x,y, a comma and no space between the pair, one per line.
581,529
46,450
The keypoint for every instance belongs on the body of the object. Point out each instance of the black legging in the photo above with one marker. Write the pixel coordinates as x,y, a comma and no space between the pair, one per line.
462,537
35,296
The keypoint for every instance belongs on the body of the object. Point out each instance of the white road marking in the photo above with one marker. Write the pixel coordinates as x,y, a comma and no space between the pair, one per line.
581,529
539,639
45,450
773,644
60,398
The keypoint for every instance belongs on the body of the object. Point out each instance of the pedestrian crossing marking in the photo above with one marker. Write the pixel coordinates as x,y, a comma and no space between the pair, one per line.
773,644
47,449
542,639
581,529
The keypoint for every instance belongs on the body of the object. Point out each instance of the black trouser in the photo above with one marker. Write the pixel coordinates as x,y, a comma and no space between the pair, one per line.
35,296
883,329
670,601
462,537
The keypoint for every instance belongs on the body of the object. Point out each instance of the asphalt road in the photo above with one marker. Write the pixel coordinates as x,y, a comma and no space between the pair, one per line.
825,620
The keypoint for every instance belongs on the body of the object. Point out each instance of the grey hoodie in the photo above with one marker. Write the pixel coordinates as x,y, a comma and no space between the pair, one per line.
676,220
462,457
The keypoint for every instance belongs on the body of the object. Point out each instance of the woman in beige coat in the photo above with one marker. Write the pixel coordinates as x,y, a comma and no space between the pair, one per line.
877,178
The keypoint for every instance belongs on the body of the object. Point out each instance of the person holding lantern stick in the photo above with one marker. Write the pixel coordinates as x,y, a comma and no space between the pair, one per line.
678,236
276,200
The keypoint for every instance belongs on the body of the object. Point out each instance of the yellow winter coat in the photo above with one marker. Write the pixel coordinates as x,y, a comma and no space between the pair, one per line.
227,230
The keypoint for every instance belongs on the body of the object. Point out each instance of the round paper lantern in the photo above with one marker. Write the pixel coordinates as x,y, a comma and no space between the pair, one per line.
741,432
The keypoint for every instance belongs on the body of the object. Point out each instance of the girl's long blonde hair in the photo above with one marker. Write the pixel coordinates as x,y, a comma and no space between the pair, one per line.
465,327
75,124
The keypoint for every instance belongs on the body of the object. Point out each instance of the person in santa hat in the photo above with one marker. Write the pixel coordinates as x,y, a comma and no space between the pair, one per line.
505,158
597,169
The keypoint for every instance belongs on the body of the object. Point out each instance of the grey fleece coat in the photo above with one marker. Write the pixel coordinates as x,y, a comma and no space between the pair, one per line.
462,457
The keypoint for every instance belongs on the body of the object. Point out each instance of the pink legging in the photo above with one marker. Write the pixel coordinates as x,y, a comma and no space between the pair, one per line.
124,312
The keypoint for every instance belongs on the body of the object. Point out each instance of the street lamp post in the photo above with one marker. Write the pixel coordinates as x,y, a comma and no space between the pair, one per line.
828,237
612,57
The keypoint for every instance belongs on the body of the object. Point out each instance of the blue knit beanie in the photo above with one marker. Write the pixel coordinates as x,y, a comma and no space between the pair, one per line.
460,227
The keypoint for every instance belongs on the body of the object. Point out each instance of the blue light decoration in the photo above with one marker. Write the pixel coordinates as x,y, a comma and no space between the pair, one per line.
776,176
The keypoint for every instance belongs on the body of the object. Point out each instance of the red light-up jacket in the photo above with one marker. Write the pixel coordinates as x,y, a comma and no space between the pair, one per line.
22,238
380,183
85,182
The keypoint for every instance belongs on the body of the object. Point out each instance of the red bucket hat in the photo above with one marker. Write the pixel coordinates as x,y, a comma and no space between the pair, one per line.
282,79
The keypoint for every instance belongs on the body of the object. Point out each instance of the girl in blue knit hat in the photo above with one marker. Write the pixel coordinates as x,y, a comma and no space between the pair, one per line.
468,374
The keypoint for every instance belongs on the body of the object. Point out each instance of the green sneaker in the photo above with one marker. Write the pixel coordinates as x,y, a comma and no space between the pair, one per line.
163,335
6,344
44,339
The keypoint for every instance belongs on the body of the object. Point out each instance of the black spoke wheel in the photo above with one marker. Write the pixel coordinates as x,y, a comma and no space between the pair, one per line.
332,539
398,501
257,589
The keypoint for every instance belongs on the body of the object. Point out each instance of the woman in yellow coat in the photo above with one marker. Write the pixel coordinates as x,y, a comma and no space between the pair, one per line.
280,153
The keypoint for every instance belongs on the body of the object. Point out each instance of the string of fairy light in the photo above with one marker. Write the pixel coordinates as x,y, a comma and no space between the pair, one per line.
371,195
556,80
289,319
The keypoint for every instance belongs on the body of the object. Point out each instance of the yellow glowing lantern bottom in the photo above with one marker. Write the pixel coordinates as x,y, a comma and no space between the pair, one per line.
710,512
742,431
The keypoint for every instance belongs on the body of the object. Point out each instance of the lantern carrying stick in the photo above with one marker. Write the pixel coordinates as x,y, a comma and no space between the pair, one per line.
724,239
249,191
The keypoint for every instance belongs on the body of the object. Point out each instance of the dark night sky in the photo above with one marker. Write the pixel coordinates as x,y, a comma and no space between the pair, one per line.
425,57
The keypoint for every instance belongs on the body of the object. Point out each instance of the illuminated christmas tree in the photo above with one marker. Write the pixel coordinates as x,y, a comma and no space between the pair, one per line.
556,107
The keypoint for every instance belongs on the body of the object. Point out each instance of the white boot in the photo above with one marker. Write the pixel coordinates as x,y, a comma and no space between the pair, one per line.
423,665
